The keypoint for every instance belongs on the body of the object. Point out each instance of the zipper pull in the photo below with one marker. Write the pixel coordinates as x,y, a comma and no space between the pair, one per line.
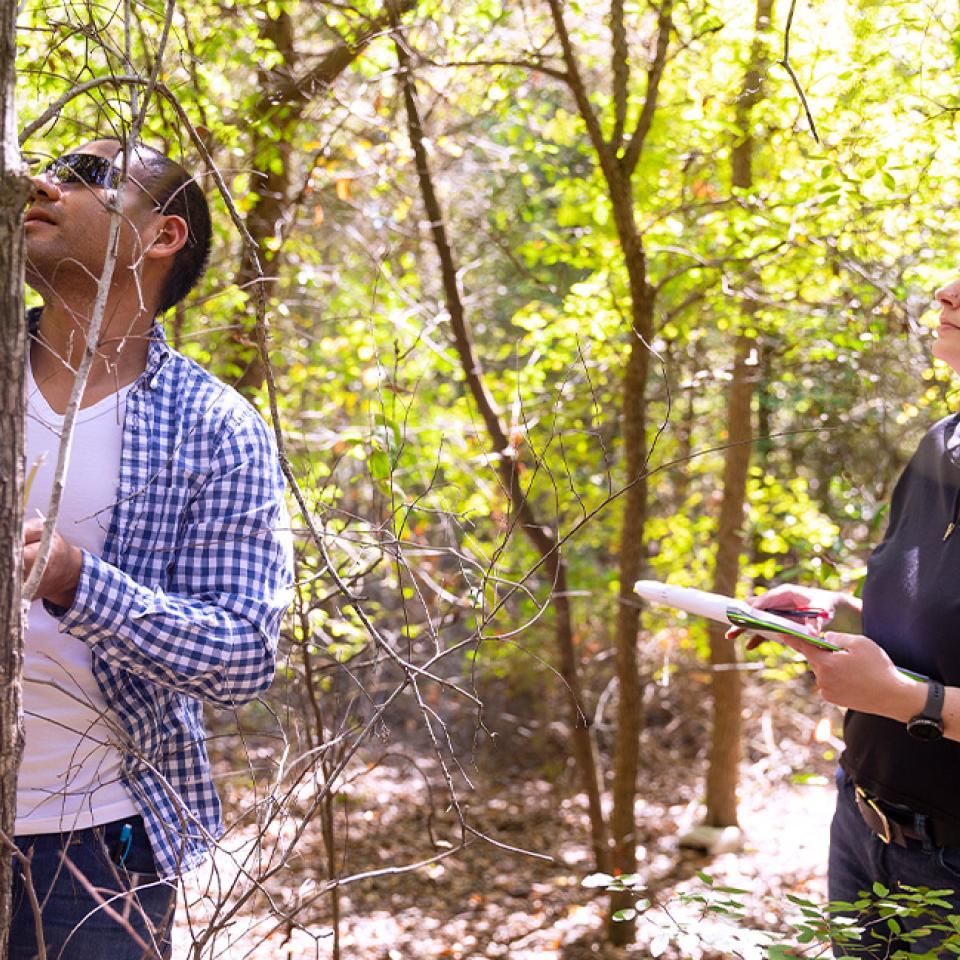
951,526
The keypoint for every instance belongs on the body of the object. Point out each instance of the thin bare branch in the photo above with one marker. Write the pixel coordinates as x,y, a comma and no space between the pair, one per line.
785,63
638,138
508,471
533,66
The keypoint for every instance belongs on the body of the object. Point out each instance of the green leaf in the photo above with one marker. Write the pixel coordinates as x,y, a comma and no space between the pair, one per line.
379,465
595,880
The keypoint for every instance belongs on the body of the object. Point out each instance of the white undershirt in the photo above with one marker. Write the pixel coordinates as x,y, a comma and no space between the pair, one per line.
69,778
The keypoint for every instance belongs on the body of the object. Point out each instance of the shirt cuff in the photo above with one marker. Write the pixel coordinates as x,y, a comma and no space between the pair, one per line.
102,604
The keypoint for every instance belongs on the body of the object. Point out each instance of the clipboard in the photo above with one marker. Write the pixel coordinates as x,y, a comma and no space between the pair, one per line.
736,613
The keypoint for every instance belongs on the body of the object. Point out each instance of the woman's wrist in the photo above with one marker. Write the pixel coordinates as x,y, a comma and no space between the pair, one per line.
908,699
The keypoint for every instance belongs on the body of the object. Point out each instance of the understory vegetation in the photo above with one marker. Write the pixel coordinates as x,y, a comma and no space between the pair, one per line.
541,297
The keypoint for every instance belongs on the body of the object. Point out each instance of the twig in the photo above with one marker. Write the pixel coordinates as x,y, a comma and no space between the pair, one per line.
115,205
157,64
785,63
76,398
31,892
533,66
77,91
104,905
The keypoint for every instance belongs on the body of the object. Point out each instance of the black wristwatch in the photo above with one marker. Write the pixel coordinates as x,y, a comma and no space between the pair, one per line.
928,724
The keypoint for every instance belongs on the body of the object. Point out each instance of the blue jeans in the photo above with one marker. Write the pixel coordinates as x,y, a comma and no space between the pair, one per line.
859,858
91,905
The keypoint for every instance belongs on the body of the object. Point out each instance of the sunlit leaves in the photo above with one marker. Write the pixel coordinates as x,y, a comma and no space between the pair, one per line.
827,261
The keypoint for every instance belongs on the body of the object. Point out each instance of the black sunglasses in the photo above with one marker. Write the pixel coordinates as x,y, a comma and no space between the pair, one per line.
86,168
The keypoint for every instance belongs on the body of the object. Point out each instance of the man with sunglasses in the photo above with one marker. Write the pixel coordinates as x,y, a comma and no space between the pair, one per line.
168,575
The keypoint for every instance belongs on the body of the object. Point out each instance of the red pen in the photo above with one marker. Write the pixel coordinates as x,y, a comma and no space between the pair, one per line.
802,612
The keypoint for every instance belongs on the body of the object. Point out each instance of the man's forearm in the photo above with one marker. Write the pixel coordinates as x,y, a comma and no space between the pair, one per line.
207,649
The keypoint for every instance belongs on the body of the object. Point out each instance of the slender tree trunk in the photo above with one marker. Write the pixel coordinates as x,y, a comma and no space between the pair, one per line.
617,159
270,185
723,770
540,535
633,523
285,97
14,190
725,745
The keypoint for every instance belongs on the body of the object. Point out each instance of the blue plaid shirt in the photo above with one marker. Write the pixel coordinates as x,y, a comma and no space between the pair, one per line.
185,604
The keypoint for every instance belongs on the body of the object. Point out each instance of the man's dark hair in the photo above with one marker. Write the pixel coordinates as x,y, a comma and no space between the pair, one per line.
176,193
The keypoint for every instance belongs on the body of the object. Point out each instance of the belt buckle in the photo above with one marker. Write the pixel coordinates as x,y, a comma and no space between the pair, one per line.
886,836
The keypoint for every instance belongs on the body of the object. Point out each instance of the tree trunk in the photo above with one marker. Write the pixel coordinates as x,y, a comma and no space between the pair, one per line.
270,185
284,99
629,707
724,763
723,772
617,160
540,535
14,191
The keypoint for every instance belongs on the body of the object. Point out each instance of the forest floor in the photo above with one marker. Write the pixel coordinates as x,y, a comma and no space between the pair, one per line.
486,901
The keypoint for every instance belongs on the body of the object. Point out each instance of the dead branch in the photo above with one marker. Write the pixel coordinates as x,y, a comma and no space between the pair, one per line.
785,63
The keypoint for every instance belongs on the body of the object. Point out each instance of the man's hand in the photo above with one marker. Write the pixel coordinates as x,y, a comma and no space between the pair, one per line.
860,676
62,572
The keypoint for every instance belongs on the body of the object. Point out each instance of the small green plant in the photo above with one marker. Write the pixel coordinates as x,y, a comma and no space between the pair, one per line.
626,882
871,923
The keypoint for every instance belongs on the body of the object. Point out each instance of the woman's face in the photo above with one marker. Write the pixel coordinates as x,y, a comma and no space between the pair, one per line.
947,346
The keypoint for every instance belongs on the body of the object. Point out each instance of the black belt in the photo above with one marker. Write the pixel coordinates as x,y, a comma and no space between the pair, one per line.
895,824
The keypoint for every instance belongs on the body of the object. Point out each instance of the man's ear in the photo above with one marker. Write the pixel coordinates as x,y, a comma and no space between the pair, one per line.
172,234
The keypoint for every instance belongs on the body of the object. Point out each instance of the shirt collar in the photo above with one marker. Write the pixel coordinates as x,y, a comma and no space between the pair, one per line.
158,352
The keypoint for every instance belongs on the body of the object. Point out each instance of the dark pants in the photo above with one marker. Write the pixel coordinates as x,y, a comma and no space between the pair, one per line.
92,907
859,859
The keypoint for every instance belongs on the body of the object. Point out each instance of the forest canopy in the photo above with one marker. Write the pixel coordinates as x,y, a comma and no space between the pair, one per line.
494,272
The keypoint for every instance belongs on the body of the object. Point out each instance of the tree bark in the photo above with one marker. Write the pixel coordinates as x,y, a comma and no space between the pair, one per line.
724,762
285,98
632,526
725,744
14,191
617,167
270,185
540,535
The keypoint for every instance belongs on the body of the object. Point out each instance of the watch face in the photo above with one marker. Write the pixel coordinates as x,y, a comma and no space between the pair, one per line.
925,729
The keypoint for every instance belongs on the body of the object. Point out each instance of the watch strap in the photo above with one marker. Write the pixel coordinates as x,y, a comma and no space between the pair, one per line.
933,708
928,724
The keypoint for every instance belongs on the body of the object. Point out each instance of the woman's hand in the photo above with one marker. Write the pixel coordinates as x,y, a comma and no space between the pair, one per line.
839,609
791,597
860,676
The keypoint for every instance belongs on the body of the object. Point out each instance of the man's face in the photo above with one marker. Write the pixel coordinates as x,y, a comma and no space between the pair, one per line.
67,224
